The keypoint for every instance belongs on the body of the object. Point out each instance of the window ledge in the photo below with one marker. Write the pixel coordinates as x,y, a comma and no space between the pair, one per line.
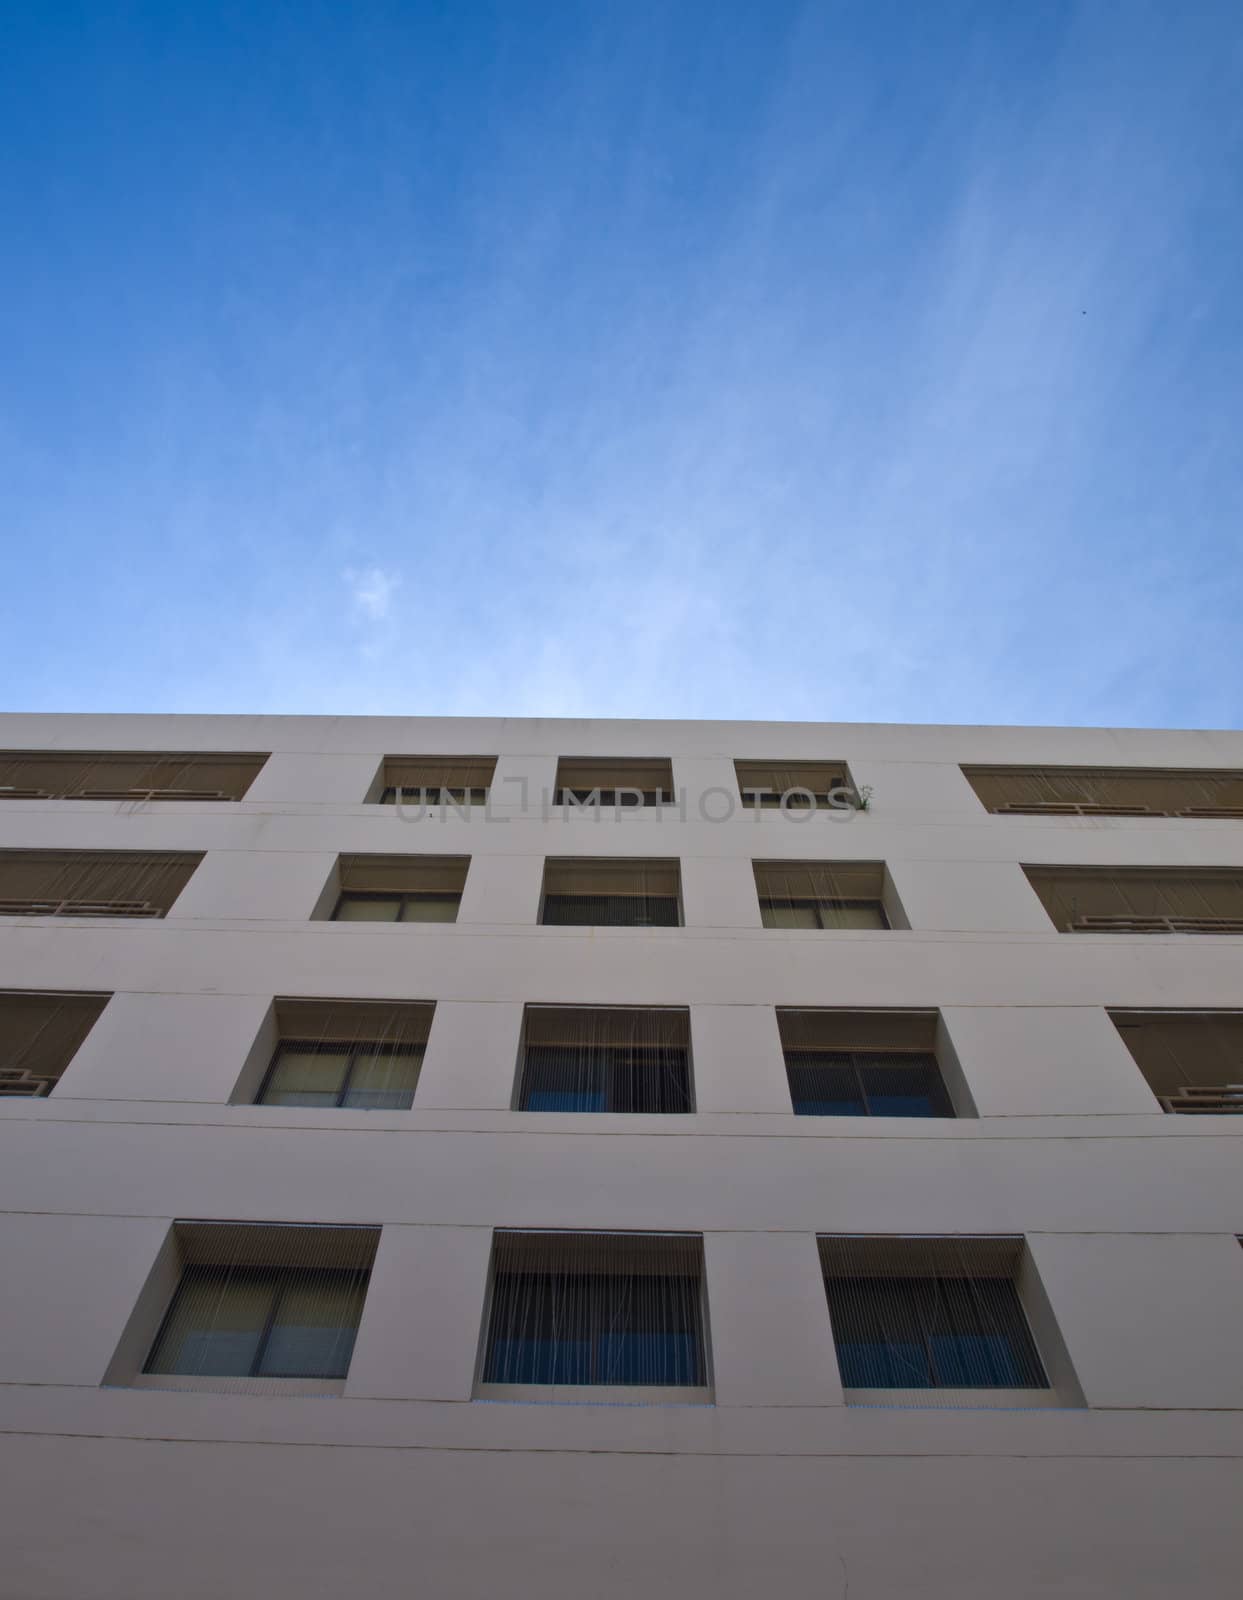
960,1399
280,1387
593,1394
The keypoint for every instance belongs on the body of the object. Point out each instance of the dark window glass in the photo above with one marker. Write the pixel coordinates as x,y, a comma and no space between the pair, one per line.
841,1083
276,1322
629,1078
611,910
367,1076
609,797
805,912
358,906
932,1333
433,796
595,1328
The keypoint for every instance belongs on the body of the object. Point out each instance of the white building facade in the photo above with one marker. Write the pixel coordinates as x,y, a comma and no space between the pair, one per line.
899,1256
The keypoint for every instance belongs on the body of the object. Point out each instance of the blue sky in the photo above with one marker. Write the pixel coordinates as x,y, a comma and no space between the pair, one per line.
869,361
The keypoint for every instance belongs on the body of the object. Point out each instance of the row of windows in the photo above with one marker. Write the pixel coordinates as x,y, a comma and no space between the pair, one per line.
595,1311
368,1055
626,891
628,781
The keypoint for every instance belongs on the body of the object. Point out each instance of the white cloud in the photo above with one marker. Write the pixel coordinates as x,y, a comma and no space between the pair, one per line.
371,592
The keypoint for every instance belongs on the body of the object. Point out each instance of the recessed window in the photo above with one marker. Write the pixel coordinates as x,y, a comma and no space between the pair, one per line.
266,1302
622,782
821,894
912,1314
92,883
1141,899
619,1059
798,785
409,888
462,781
580,892
1191,1060
126,775
582,1311
40,1034
863,1063
1109,791
359,1055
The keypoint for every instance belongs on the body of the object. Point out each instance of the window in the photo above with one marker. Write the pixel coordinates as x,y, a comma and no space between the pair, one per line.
1192,1060
1108,791
363,1055
611,893
623,1059
266,1302
863,1063
126,775
765,784
821,894
92,883
400,888
599,1310
917,1314
614,783
1141,899
39,1036
437,780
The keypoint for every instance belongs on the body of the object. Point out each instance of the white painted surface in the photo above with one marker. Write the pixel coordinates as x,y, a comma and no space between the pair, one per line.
406,1483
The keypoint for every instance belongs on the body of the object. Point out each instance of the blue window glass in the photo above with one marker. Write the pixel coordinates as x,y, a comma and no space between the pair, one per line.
260,1322
540,1361
603,1077
565,1100
568,1328
933,1332
842,1083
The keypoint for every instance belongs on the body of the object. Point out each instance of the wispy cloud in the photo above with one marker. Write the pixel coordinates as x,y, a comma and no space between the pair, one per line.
799,367
371,592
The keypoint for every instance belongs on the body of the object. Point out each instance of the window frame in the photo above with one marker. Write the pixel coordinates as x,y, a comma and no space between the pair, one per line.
282,1280
925,1300
847,1259
405,897
927,1059
702,1393
769,903
672,901
610,1068
352,1050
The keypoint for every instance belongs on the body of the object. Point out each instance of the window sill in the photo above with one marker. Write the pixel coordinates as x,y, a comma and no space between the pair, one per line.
591,1394
959,1399
281,1387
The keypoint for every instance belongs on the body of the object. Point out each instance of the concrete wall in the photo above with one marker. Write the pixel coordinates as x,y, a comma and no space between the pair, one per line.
406,1482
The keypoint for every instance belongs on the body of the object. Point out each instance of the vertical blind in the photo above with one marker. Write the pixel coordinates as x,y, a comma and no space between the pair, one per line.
1192,1061
400,888
1169,899
631,893
126,775
264,1302
940,1314
600,1309
92,883
1119,791
764,783
821,894
39,1035
879,1063
866,1083
650,783
431,780
621,1059
360,1055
